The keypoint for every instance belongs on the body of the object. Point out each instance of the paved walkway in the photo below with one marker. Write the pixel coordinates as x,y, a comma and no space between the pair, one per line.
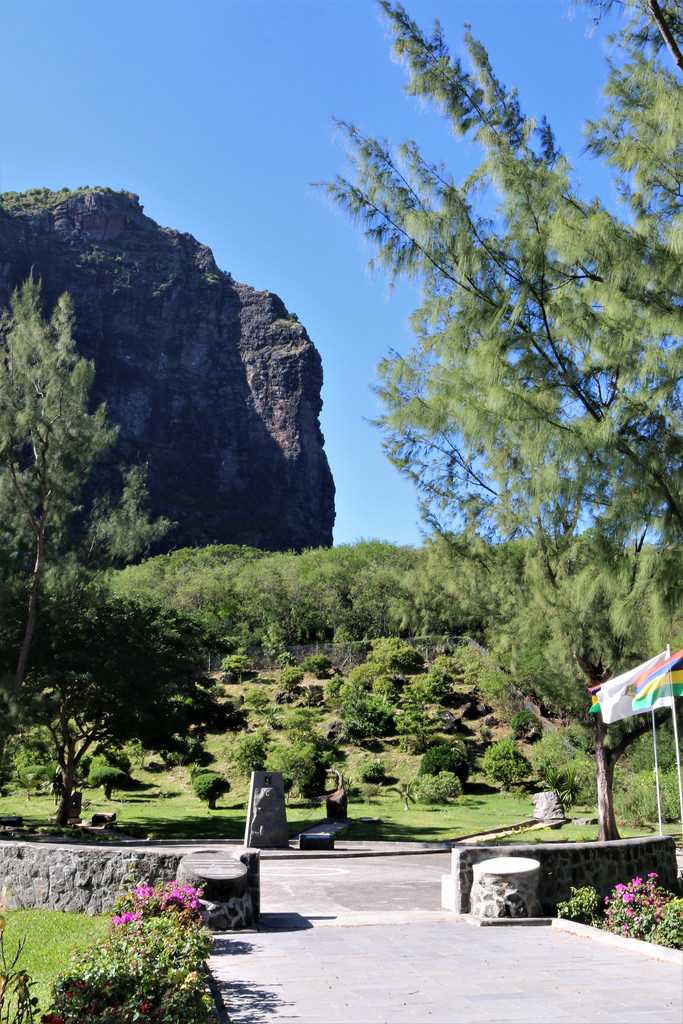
365,941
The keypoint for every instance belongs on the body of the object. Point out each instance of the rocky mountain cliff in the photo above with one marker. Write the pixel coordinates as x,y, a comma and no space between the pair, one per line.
213,384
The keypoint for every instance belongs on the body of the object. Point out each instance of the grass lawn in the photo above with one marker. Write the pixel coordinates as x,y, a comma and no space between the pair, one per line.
50,936
586,833
421,823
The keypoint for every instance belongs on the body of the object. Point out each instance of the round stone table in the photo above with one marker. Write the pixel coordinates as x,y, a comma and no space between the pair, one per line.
505,887
221,876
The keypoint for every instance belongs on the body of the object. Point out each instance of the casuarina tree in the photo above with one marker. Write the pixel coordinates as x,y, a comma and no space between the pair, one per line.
543,396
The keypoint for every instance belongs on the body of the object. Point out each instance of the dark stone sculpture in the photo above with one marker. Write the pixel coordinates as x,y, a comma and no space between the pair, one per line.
337,801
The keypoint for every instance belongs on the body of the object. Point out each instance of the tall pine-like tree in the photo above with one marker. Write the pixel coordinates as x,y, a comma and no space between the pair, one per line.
49,443
543,397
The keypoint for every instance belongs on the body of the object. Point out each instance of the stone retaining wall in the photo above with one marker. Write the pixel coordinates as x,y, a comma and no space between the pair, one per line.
63,877
59,876
601,865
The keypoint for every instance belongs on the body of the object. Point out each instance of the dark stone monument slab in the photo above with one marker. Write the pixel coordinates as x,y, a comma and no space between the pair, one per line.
266,825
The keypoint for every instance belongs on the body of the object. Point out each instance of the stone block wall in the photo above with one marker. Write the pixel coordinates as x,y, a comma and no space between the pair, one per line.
59,876
63,877
563,865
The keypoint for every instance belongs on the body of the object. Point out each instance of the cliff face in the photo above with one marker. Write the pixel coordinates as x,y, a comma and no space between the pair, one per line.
212,384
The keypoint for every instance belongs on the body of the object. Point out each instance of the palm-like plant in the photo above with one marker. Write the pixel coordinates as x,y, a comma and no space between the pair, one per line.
406,791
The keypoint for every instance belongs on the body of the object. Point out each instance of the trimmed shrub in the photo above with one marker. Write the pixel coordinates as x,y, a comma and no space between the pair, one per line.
583,905
291,678
209,786
106,775
446,757
373,772
318,665
392,655
505,764
525,725
236,665
438,789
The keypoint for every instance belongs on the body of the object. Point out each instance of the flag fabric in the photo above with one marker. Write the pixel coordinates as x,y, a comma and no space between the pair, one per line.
614,699
657,686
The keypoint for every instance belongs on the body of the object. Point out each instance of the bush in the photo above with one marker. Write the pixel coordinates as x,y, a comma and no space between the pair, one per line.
34,778
636,910
385,688
312,695
505,764
373,772
291,678
146,969
209,786
249,753
669,931
635,797
583,905
303,766
392,655
106,775
300,724
416,729
446,757
236,665
438,789
154,900
557,753
318,665
525,725
365,716
480,671
442,673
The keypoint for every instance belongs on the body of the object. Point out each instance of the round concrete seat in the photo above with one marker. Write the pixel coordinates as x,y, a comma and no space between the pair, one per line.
505,887
221,876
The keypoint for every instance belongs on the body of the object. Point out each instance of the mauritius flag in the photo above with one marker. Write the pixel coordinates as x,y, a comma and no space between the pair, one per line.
656,687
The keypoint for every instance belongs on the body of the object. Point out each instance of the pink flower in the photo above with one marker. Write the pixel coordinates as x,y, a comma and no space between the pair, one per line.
636,882
121,919
628,897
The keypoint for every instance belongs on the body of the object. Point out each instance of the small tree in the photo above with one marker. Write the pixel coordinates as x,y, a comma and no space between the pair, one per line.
249,753
49,443
209,786
105,670
236,665
106,775
438,789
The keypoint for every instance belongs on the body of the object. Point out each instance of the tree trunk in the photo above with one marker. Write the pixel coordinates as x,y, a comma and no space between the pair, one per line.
32,608
604,764
67,791
212,803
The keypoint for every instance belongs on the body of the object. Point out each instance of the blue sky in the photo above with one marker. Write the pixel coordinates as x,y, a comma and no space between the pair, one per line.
219,115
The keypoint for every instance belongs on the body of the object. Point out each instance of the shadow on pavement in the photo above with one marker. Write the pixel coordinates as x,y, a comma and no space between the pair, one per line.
286,922
247,1003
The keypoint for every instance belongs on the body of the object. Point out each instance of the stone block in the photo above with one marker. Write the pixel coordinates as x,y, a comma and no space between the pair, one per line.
547,806
316,841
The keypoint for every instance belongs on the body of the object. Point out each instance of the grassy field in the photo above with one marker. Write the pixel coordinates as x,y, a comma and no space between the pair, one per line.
50,936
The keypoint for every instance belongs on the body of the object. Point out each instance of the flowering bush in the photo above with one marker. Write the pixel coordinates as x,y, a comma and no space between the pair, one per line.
150,901
635,910
147,970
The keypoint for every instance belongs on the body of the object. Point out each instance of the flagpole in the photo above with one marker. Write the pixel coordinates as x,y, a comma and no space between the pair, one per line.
659,795
676,744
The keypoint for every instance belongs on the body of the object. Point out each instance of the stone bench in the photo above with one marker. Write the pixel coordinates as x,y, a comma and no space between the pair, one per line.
505,887
230,884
